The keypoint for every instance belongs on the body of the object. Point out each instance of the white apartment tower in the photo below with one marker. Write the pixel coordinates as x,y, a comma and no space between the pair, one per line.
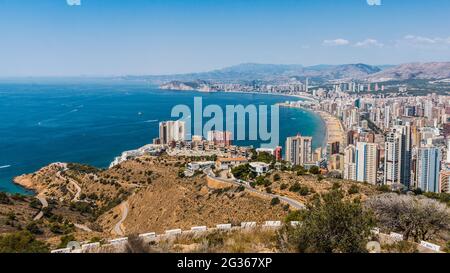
428,169
172,131
366,162
299,150
397,162
350,163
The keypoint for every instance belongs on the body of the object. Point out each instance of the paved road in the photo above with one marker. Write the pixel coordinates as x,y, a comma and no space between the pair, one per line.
118,228
76,198
291,202
44,203
63,166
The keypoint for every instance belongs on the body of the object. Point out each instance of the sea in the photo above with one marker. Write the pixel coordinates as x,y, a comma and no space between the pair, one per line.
42,122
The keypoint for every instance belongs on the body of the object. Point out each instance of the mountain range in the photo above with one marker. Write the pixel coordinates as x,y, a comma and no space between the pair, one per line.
277,72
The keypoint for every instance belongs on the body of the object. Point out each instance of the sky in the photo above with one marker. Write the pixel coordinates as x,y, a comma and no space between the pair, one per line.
142,37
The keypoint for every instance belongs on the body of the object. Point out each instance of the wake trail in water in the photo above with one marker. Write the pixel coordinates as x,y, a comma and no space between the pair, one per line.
5,166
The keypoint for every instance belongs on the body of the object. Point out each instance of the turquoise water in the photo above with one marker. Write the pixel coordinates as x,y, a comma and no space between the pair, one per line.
92,123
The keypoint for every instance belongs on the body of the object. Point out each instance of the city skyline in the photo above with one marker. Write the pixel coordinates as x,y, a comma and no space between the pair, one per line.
51,38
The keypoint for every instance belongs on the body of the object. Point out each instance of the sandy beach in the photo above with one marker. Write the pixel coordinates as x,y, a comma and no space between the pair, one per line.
333,126
335,131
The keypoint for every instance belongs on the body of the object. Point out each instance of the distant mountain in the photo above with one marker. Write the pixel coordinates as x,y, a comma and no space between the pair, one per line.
273,72
411,71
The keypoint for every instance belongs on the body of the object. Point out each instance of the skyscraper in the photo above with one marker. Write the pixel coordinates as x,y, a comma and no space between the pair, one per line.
428,168
350,163
397,162
171,131
366,162
299,150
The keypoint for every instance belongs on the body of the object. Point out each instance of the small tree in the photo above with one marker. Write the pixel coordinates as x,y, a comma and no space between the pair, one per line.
275,201
354,189
415,216
331,225
21,242
314,170
276,177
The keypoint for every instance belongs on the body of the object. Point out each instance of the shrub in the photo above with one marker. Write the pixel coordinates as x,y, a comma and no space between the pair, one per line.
384,188
304,191
276,177
66,240
21,242
275,201
33,228
331,225
4,199
314,170
296,187
354,189
416,217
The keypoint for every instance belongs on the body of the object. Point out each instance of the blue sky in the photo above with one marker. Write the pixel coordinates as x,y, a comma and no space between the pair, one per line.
115,37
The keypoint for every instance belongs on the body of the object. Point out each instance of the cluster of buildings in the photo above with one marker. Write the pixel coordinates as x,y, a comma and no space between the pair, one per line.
172,135
358,87
403,142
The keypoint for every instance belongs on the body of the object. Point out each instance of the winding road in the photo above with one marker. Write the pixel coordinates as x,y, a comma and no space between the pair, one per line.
291,202
76,198
118,228
44,203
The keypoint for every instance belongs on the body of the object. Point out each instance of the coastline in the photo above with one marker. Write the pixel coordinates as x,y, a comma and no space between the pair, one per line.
22,178
304,97
334,131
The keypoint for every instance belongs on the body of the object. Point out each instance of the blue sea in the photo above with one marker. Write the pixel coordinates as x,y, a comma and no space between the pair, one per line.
91,123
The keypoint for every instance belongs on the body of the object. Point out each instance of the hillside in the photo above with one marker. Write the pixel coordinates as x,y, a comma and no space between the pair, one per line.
147,194
272,73
411,71
170,202
156,197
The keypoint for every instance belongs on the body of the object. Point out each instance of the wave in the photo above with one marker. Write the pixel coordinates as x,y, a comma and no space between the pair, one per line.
5,166
151,121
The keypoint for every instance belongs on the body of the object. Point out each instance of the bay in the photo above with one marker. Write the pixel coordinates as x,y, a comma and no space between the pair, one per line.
91,123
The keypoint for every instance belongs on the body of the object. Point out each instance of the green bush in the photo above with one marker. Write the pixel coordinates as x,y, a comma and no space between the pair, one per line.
275,201
354,189
276,177
331,225
4,199
21,242
33,228
314,170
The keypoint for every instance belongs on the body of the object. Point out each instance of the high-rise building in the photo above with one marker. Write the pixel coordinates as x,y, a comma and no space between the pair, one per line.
366,162
278,153
350,163
299,150
397,162
448,151
444,181
392,158
171,131
428,168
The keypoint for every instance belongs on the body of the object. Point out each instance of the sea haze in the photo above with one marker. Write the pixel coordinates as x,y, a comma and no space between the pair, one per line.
91,123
